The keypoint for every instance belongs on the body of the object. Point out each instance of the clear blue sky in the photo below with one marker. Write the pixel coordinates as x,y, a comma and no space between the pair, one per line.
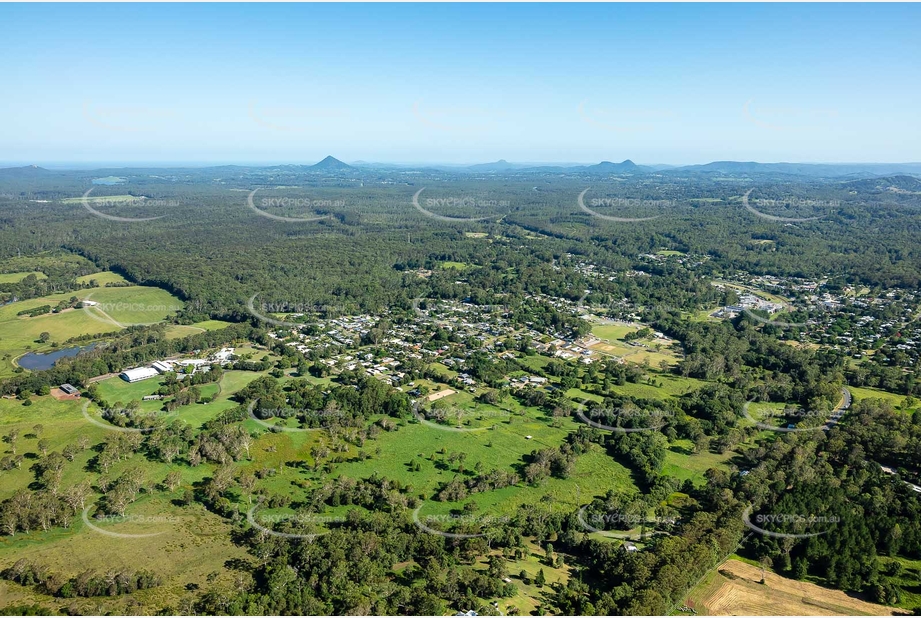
460,83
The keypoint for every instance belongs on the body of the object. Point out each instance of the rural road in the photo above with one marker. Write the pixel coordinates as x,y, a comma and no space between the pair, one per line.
891,471
838,412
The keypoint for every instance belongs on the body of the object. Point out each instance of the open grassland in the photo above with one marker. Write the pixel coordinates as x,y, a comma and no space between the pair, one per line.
102,278
135,304
875,393
115,390
741,593
683,463
212,324
667,385
189,543
649,350
121,306
529,596
17,277
178,331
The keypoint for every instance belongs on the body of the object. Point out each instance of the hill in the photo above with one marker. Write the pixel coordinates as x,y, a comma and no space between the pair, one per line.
817,170
26,172
607,167
330,163
888,184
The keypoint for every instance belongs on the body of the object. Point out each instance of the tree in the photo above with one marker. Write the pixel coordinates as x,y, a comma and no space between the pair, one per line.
76,495
541,579
11,439
173,480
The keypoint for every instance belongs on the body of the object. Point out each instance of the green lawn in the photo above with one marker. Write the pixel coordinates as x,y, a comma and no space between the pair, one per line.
681,463
212,324
102,278
875,393
17,277
454,265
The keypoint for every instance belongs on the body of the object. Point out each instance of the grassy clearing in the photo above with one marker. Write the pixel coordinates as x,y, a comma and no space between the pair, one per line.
135,304
178,331
529,596
875,393
191,545
212,324
454,265
682,463
648,350
128,305
17,277
669,386
101,278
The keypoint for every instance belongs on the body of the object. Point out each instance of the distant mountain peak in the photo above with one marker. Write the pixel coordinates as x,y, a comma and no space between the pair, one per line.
331,163
609,166
26,171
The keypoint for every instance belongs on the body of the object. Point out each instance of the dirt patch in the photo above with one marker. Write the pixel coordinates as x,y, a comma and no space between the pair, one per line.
441,394
62,396
738,590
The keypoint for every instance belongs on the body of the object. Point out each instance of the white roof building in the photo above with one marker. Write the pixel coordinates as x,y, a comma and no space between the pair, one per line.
162,366
138,374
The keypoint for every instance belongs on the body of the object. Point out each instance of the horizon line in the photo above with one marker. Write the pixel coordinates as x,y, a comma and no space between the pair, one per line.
129,164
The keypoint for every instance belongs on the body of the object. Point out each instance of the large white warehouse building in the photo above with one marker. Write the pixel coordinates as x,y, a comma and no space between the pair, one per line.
136,375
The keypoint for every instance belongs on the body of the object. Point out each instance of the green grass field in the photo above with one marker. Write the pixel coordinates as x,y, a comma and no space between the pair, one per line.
17,277
454,265
191,544
120,306
648,350
682,464
102,278
875,393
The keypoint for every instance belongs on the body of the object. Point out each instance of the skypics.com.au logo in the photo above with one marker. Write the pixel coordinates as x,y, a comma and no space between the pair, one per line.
798,526
465,203
601,523
450,418
622,203
466,522
296,203
794,415
626,419
268,522
143,520
324,418
787,204
294,309
91,204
